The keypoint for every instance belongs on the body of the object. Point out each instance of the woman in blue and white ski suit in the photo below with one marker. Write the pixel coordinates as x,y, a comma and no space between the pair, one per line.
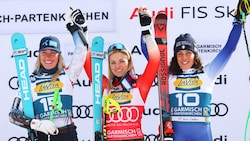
191,85
51,74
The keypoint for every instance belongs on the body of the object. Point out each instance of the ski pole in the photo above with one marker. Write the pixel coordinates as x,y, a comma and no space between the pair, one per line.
245,36
246,128
56,100
56,104
107,110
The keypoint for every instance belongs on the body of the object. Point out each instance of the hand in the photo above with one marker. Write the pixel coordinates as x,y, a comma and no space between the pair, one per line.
145,16
168,137
75,16
145,20
168,131
75,20
45,126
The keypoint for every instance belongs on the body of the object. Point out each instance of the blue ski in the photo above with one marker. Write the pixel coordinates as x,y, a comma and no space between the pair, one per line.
20,55
97,56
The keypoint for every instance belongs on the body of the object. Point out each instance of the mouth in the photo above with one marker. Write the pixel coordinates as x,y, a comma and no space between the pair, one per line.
119,72
184,63
47,62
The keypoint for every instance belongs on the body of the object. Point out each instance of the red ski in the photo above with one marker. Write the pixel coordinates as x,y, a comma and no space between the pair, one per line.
160,28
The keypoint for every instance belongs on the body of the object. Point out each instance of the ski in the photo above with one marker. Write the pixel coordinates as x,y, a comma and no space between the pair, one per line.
20,55
97,56
160,28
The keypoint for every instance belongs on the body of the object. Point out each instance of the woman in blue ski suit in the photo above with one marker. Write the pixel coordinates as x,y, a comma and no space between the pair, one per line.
51,74
191,84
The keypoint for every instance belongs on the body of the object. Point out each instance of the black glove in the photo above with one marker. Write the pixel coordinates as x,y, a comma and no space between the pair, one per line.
145,20
168,137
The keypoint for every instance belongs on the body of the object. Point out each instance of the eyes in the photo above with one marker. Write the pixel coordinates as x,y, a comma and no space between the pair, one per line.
187,53
118,58
51,54
121,61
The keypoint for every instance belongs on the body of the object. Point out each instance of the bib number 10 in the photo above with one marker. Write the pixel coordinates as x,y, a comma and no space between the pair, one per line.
188,99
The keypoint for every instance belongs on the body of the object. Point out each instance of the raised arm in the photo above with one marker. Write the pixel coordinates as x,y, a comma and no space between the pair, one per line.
146,79
77,26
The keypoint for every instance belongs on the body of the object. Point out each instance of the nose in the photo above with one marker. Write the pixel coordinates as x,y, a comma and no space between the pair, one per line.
117,65
184,56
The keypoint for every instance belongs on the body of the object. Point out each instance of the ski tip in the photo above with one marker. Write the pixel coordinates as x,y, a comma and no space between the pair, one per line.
18,40
17,35
161,15
98,38
97,44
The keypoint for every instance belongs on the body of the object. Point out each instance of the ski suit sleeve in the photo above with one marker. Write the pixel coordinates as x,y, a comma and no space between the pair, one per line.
219,62
17,117
144,47
144,82
75,67
88,70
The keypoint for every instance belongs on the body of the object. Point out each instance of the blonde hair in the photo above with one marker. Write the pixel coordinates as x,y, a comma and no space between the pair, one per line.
60,66
130,65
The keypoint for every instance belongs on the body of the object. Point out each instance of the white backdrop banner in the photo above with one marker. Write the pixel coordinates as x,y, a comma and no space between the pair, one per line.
209,22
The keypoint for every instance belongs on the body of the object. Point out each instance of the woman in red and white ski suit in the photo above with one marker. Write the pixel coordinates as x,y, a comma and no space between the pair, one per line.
123,86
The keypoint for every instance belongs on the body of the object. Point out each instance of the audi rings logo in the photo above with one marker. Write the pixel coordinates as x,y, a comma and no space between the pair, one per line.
219,109
126,114
18,139
82,111
151,137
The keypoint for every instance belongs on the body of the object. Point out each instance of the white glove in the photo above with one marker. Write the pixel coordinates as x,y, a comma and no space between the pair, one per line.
76,21
75,16
45,126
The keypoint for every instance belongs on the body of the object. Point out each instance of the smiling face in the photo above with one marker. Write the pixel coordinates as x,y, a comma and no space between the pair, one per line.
185,59
118,62
49,59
